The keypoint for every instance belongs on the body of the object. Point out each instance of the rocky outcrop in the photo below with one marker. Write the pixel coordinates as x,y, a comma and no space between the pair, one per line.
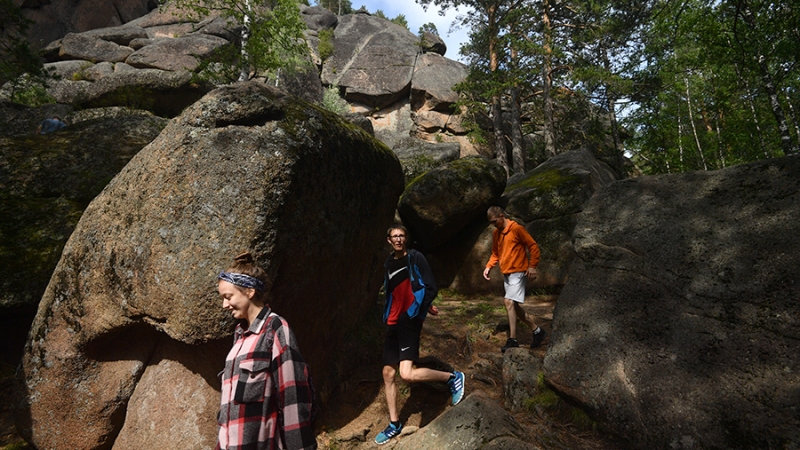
318,18
373,60
53,19
401,83
432,86
546,202
418,157
437,205
182,53
432,43
247,167
46,181
84,47
147,63
477,422
678,327
163,92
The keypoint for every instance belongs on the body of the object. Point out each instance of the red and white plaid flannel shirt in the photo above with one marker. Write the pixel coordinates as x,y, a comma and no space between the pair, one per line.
266,390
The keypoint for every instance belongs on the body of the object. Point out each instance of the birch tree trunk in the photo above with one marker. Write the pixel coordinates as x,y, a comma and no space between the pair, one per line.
768,81
691,121
793,115
680,142
244,73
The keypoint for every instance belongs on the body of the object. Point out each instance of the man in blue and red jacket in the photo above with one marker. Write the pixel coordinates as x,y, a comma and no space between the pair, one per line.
410,289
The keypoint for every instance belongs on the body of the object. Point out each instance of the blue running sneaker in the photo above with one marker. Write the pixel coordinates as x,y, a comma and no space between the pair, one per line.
457,387
387,434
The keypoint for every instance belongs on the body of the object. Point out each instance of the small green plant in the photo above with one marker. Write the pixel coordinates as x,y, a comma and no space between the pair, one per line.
489,307
333,102
552,403
325,47
438,138
19,445
32,94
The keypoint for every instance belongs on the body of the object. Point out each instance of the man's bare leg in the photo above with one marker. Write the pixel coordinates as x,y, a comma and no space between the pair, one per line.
512,318
390,389
524,317
417,374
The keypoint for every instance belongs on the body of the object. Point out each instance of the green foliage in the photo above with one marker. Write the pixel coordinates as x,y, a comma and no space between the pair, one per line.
16,56
381,14
690,85
271,40
333,102
714,94
401,20
19,445
31,94
326,47
429,27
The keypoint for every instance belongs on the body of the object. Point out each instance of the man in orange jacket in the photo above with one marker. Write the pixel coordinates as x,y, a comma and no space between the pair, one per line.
509,243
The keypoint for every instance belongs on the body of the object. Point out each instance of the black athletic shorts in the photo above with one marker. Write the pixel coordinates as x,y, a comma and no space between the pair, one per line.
402,341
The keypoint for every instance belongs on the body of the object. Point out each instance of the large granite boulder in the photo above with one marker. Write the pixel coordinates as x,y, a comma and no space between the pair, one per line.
392,124
246,167
46,181
679,326
90,48
433,43
476,423
437,205
318,17
163,92
373,60
433,81
122,35
182,53
418,157
546,202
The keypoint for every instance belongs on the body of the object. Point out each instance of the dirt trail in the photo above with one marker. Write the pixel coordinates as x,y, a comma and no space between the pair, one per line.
467,334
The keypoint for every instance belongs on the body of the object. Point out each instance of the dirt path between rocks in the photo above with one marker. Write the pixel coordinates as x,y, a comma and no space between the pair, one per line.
467,335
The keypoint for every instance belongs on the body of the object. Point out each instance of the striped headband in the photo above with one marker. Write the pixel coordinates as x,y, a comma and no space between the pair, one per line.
242,280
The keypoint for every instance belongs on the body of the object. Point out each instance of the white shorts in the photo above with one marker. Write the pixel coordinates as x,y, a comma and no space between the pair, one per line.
515,286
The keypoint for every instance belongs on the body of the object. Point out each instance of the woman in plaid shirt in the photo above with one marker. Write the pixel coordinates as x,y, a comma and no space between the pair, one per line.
266,388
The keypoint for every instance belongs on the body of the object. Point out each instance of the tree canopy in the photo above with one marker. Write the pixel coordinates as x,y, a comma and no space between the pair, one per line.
673,85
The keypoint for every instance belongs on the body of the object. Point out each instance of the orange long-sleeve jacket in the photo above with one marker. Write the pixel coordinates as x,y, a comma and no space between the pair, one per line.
508,247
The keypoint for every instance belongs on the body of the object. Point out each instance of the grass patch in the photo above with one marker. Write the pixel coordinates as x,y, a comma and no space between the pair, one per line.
551,403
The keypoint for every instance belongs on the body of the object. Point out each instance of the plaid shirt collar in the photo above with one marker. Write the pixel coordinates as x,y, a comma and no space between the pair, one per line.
258,322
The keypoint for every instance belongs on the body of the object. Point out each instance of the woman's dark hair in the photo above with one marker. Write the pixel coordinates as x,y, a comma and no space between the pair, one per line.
246,264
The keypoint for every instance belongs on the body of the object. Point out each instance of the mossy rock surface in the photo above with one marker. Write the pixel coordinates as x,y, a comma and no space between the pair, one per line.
438,204
46,181
558,187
